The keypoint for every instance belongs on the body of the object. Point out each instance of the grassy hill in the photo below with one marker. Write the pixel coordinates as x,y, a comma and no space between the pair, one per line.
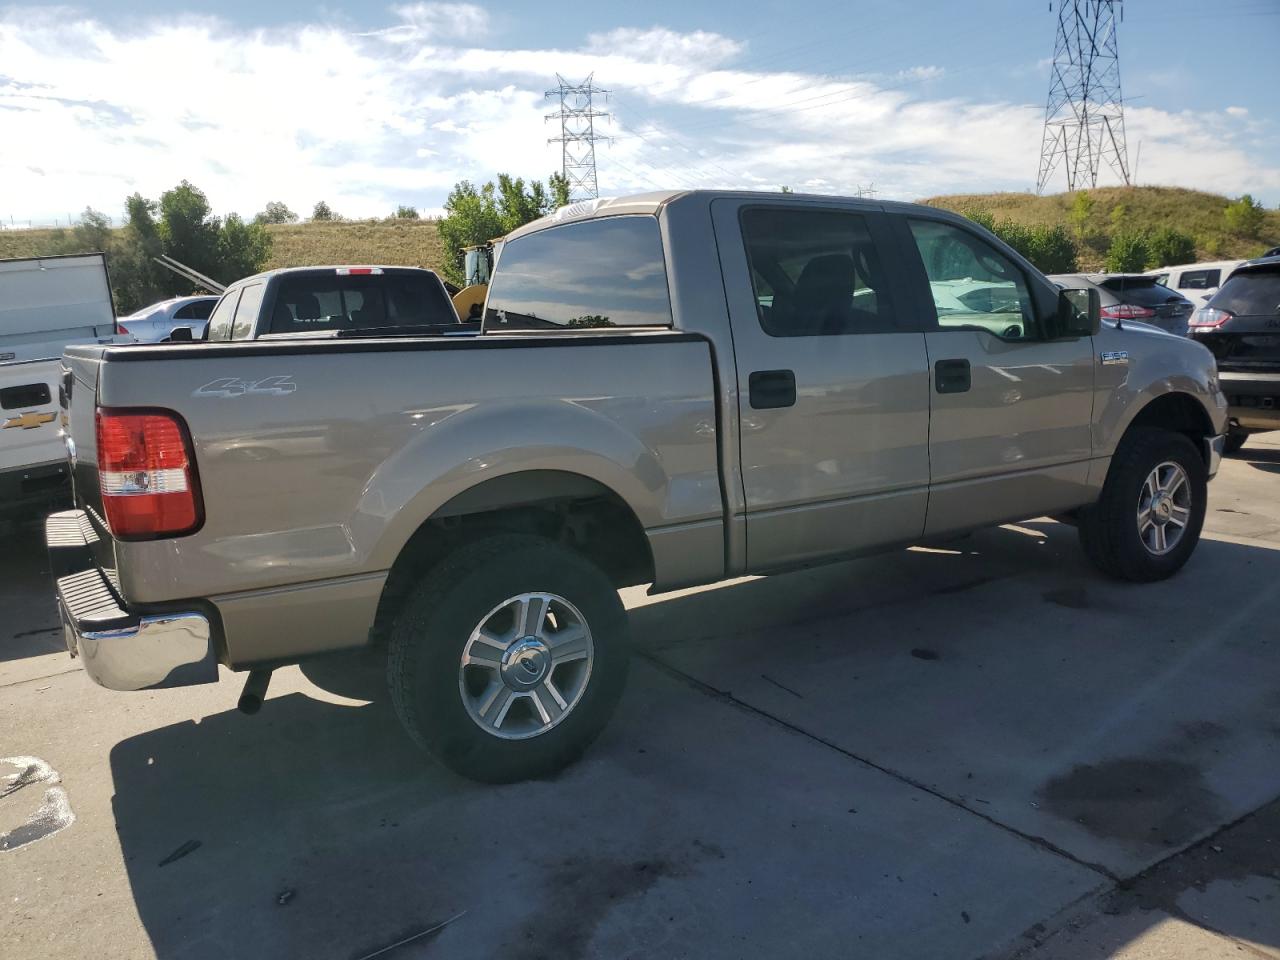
416,242
1192,212
410,243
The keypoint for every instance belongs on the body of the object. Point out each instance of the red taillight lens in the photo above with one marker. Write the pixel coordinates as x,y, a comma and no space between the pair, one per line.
121,328
147,474
1127,311
1207,318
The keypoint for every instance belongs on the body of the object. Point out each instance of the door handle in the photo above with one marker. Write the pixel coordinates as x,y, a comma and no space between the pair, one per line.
771,389
952,376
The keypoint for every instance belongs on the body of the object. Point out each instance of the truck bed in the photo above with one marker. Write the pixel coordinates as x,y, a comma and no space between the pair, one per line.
317,460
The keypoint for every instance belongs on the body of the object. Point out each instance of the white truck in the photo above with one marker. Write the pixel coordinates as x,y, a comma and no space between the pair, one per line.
46,303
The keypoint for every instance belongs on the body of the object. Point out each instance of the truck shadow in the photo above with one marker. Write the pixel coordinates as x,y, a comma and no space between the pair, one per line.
28,615
316,829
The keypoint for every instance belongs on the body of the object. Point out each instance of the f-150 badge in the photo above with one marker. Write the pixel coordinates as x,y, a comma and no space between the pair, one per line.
1110,357
277,386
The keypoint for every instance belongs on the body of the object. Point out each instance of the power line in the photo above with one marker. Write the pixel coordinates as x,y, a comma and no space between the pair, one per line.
578,136
1084,116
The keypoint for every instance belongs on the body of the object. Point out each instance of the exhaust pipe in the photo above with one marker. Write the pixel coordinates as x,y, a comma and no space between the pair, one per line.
255,691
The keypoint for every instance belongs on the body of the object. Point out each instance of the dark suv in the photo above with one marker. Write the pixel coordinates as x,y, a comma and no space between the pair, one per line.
1241,325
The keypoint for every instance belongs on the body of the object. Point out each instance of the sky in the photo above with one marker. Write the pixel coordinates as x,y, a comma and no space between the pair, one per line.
369,107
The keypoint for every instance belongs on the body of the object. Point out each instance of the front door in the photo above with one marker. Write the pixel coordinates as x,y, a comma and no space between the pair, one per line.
833,383
1010,434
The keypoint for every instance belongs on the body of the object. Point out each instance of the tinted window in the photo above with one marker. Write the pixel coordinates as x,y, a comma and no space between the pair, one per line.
220,319
815,272
1253,293
1142,291
597,273
973,285
306,302
1199,279
247,311
198,310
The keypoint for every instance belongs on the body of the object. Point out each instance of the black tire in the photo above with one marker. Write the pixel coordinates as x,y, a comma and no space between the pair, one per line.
1109,528
431,632
1234,442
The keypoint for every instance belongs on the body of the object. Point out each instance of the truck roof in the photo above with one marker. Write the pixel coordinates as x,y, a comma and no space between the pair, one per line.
323,268
652,202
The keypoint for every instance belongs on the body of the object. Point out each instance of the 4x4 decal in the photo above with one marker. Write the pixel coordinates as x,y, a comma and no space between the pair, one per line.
275,386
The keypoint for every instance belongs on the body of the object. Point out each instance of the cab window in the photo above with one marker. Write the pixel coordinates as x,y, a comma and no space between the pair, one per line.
973,285
247,311
815,273
220,319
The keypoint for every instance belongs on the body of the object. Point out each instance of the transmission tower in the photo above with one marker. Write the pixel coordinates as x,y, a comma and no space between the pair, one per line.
577,116
1084,118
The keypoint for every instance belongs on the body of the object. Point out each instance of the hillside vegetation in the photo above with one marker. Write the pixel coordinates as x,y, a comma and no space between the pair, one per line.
1112,211
1129,210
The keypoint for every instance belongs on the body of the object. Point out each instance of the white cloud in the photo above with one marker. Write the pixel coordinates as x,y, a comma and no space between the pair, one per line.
1238,111
368,120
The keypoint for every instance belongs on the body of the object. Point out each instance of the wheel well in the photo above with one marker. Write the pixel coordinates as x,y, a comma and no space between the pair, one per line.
1179,412
568,508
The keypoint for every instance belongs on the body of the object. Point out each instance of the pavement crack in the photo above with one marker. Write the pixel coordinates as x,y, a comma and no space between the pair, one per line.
725,696
43,676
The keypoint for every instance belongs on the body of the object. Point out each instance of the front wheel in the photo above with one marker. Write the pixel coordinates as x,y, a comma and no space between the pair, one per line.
509,659
1147,521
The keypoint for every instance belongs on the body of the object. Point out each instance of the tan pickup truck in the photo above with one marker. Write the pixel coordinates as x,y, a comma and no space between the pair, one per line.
668,389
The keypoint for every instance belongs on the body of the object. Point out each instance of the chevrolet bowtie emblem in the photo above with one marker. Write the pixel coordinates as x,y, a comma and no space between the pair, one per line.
28,421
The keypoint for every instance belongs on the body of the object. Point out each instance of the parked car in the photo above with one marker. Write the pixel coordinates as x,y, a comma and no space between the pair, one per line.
1129,296
1195,281
669,389
340,301
1241,326
156,322
45,304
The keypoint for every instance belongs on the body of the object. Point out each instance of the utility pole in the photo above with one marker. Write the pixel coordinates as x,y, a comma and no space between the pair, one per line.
1084,117
577,116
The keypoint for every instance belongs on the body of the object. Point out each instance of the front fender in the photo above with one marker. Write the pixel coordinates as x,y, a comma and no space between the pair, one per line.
1155,364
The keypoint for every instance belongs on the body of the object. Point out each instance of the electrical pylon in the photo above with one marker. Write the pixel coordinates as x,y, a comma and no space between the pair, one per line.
577,116
1084,118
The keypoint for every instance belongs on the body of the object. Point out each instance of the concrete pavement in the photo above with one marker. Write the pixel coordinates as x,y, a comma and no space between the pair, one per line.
955,751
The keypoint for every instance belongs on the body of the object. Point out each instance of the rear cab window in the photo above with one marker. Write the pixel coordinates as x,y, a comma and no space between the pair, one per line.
1141,291
1199,279
319,302
592,274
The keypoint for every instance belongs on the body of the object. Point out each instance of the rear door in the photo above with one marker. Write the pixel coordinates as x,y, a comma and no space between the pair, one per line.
1249,338
832,380
1009,432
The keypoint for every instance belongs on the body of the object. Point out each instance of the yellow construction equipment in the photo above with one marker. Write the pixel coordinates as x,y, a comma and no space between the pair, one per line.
478,264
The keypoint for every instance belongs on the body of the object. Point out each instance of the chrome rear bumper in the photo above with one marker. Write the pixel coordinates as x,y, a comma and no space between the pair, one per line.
121,650
1213,453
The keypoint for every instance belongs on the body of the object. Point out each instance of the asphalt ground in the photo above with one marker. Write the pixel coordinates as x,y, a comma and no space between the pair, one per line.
981,748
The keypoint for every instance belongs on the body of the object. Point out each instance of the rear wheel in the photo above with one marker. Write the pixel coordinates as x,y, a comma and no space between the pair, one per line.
1147,521
509,659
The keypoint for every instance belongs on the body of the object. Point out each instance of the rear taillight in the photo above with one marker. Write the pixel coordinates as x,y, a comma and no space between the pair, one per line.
121,328
1208,318
1127,311
147,474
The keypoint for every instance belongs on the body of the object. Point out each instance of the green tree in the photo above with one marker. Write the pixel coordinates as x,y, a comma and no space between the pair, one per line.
321,211
188,229
1244,217
475,216
242,247
93,232
406,213
1167,246
558,184
1081,211
785,189
1052,250
1128,253
276,212
1119,214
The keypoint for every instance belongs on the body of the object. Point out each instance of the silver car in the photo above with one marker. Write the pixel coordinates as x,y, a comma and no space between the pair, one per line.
154,323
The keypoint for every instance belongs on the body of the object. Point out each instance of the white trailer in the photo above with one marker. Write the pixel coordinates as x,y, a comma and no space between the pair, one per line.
46,303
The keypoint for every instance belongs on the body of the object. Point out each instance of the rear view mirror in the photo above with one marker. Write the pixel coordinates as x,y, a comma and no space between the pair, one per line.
1079,313
180,335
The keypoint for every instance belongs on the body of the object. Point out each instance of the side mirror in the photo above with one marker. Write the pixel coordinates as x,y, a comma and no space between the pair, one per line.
1079,313
180,335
